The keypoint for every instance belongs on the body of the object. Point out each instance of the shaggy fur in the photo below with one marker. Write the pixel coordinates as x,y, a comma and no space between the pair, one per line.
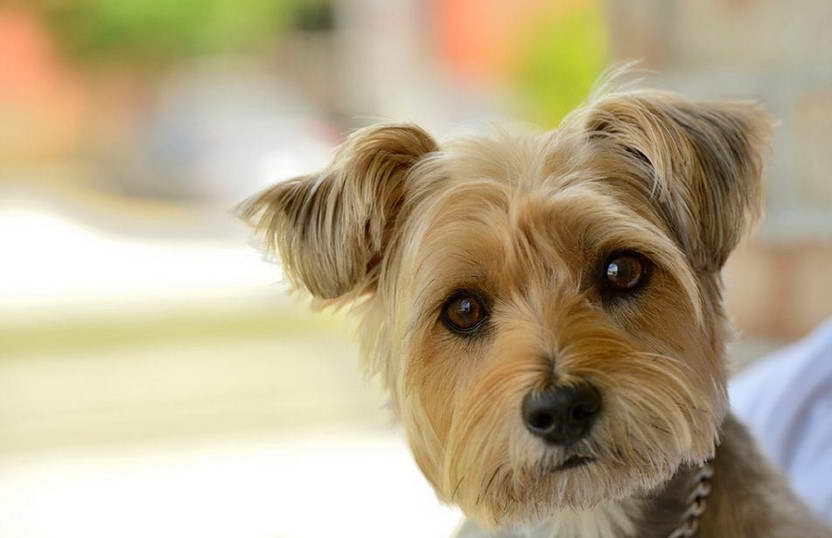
397,224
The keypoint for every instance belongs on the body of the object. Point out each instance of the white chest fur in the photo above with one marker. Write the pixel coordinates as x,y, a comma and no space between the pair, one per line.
611,520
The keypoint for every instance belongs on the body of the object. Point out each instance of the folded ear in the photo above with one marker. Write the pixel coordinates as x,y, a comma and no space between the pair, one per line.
331,229
700,162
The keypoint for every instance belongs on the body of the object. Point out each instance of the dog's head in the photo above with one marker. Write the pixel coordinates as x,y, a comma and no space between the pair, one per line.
544,309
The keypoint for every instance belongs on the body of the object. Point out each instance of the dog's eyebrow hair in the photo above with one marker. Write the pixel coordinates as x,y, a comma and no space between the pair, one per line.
430,311
425,315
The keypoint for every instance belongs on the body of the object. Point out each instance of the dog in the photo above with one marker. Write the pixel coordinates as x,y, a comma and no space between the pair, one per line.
546,312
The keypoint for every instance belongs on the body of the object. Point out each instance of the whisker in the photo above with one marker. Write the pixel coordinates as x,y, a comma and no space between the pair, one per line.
453,495
490,481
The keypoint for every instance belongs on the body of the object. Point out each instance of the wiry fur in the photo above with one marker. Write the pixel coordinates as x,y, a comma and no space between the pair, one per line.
397,223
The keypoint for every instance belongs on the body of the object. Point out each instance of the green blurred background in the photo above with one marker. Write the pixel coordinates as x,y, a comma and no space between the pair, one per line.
156,379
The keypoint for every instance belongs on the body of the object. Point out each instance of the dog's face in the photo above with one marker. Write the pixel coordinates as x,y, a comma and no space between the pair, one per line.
545,310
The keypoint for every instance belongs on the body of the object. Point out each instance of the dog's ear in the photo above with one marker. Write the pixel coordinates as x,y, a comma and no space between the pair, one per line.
331,228
700,162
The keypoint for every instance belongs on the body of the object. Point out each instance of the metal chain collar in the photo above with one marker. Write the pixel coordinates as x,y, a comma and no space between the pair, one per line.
697,502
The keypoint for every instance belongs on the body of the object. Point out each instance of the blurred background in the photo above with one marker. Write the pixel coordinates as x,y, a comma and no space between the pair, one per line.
155,377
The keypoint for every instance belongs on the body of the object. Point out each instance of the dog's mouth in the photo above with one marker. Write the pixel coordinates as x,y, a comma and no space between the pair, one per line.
573,462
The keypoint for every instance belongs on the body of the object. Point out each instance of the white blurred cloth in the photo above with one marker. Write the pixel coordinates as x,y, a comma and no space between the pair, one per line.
786,401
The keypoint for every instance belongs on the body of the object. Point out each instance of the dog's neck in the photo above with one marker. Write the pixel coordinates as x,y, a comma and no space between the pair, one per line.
664,510
657,514
654,515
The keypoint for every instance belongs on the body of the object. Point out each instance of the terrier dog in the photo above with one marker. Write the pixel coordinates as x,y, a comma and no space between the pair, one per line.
546,313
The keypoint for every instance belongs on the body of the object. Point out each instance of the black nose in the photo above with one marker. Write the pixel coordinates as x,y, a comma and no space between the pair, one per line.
562,415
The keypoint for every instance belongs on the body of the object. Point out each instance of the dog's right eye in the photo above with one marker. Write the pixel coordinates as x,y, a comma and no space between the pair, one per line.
625,272
464,312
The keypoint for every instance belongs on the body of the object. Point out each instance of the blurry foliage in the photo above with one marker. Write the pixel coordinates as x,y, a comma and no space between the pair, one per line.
565,55
157,31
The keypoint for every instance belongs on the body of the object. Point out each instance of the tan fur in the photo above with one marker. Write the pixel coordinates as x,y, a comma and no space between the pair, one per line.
397,223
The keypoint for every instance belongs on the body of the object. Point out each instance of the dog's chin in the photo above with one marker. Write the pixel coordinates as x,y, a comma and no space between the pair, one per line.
575,482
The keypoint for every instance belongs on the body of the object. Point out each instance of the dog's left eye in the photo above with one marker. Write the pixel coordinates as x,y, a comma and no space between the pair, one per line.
464,313
624,272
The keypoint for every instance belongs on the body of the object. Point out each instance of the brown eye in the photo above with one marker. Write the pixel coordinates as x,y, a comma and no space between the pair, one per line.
624,272
463,313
